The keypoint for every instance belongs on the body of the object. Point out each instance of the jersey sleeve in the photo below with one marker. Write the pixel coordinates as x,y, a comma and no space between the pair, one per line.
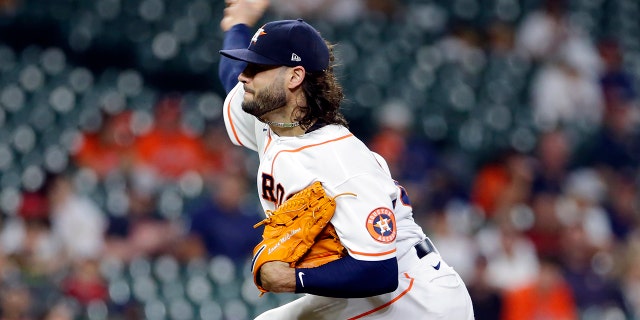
366,223
241,126
236,37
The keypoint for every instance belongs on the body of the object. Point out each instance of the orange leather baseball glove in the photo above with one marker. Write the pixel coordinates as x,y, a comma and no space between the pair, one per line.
299,232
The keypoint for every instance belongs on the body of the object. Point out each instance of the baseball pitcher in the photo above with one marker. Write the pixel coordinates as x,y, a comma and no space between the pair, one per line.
337,227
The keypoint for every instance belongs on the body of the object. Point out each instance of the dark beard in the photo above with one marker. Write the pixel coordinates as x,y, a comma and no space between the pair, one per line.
265,102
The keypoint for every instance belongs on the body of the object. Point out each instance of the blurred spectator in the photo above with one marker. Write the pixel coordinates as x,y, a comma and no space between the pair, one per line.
462,45
441,188
85,283
546,297
141,230
630,277
547,33
563,96
16,302
512,260
617,144
27,239
8,267
386,8
588,273
109,149
543,30
546,229
31,246
617,82
60,311
487,299
222,224
552,164
564,91
8,6
501,37
409,156
394,121
215,146
622,205
219,154
586,242
553,161
581,207
447,229
502,183
335,11
77,222
34,205
169,148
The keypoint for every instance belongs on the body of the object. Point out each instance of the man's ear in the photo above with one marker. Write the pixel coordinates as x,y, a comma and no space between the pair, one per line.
296,76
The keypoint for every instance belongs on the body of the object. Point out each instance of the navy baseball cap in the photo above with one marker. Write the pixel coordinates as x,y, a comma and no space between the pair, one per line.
285,43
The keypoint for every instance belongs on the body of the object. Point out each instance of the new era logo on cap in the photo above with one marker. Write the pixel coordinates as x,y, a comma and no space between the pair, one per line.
286,43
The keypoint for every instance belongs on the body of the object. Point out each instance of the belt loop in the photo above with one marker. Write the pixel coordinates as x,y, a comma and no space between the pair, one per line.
424,248
433,246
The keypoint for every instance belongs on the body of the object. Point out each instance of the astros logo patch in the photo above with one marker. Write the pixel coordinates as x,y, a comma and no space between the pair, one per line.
381,224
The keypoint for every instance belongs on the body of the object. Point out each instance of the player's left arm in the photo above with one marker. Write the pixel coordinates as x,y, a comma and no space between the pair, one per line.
343,278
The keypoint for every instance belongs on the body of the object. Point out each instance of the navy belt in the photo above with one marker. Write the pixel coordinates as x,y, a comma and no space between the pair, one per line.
424,248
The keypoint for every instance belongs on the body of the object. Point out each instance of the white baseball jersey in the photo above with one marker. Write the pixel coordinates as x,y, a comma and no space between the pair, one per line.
376,224
366,224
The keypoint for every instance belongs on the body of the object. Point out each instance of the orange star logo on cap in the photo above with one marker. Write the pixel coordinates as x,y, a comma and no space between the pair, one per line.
258,33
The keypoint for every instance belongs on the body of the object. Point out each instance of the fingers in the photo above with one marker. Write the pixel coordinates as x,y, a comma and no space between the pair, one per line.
260,5
246,12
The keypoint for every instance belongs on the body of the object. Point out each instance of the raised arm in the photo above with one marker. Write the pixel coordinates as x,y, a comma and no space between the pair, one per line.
238,19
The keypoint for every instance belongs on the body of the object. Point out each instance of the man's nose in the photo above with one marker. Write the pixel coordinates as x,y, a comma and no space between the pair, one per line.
243,78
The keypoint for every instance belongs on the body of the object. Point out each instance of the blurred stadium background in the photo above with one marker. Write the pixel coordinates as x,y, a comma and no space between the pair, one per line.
514,125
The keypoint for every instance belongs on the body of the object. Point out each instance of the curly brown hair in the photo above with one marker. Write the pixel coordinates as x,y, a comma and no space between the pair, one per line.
323,95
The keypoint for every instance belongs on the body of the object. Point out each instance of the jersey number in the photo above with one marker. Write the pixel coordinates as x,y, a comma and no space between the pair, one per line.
271,191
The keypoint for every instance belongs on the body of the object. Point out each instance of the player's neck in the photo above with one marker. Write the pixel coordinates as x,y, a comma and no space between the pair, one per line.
287,131
283,122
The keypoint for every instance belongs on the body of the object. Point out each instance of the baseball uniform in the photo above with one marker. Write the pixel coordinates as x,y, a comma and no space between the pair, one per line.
374,225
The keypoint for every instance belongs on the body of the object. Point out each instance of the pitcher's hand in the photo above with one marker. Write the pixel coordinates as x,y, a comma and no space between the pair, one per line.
277,276
246,12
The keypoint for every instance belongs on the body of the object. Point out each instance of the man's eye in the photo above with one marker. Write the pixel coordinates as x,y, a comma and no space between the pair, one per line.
253,69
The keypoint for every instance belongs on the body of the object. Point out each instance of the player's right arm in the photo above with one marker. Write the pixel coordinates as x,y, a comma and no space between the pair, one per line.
236,37
239,16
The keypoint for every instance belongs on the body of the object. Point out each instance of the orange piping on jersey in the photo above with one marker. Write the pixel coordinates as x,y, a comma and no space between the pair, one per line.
309,146
388,303
268,143
372,254
233,128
